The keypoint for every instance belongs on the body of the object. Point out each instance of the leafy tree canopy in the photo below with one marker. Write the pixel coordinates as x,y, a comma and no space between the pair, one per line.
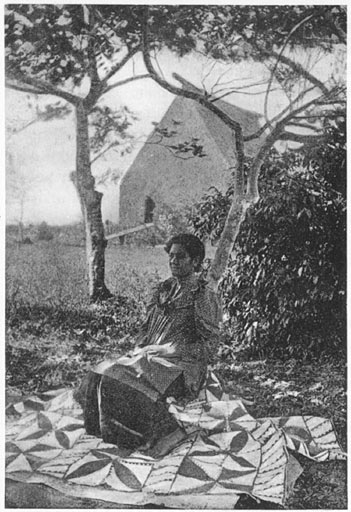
51,41
235,32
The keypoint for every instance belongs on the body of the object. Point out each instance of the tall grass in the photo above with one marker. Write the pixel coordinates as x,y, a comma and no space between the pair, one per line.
45,273
56,273
53,334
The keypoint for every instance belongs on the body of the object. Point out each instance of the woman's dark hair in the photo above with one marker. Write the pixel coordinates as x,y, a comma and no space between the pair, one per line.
191,243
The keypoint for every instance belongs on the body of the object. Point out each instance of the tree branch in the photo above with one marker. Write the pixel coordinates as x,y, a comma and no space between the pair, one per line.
304,125
298,137
299,69
191,94
198,97
105,150
22,88
117,67
296,67
264,127
292,31
331,102
37,86
25,126
93,70
328,114
95,83
124,82
292,115
231,87
252,178
319,101
234,91
274,136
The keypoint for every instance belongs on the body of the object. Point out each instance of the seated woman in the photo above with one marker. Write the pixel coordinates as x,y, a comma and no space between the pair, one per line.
125,401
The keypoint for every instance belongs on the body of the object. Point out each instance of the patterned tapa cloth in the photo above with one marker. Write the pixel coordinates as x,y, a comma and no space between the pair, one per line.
226,452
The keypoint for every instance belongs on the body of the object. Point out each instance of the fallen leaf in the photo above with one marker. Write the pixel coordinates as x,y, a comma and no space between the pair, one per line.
276,396
316,401
268,382
282,384
315,387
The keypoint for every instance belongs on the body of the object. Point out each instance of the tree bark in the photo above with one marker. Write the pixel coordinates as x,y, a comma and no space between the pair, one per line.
91,205
235,216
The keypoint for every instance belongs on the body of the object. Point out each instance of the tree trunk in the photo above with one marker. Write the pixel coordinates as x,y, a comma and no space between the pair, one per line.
244,196
235,217
90,199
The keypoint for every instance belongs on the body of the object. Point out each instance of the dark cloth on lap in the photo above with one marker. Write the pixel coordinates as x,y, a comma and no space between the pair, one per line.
124,416
129,418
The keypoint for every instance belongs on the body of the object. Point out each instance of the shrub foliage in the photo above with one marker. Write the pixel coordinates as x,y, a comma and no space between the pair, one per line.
284,289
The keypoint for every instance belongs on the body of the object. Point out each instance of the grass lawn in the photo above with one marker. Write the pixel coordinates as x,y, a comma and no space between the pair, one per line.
53,336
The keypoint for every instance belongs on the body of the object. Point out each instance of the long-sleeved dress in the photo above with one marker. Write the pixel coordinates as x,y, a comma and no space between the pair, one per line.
125,401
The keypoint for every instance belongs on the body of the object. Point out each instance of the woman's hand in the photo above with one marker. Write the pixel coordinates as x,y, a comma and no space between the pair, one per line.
159,350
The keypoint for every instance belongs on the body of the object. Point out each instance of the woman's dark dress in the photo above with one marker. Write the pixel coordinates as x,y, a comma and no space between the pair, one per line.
125,401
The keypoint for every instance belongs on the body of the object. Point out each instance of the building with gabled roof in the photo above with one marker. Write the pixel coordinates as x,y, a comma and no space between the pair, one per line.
159,178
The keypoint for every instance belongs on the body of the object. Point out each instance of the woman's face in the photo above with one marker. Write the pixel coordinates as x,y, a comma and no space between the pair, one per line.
180,262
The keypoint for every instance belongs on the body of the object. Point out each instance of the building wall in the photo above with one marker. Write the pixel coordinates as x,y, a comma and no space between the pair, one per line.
174,181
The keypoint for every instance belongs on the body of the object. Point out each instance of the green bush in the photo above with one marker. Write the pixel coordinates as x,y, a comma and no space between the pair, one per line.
284,289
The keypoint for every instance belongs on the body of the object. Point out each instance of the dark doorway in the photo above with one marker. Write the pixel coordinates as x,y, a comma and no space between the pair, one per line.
149,210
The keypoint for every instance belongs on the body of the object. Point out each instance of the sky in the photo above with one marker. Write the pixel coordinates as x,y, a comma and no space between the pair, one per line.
44,153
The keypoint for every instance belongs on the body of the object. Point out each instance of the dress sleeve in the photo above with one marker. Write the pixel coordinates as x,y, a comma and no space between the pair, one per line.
208,315
141,338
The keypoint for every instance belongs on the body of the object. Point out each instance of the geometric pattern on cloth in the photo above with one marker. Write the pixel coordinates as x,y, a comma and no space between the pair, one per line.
227,452
311,436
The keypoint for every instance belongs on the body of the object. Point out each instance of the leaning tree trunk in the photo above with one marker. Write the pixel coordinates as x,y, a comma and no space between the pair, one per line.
90,199
235,216
245,195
